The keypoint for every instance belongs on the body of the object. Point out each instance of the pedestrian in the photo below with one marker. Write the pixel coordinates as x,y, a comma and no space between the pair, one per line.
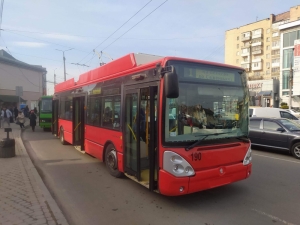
26,111
6,114
32,118
20,119
35,110
16,112
11,119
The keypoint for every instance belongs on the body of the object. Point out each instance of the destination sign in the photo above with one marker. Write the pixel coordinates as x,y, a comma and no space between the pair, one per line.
209,74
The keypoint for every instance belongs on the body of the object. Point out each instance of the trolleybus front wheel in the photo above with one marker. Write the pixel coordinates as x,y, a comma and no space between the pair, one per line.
111,161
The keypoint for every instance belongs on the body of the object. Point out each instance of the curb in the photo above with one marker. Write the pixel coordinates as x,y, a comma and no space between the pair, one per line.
45,195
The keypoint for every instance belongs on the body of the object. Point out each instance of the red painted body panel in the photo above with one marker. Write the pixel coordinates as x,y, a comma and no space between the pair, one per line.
65,85
68,128
120,162
97,137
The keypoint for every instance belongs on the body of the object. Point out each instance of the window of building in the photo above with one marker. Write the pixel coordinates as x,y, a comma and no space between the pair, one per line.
268,47
257,57
256,48
275,34
289,38
288,58
268,30
268,64
276,60
275,69
257,31
256,73
255,64
285,79
256,40
275,44
237,38
267,56
237,53
268,39
268,72
286,93
237,61
237,46
275,52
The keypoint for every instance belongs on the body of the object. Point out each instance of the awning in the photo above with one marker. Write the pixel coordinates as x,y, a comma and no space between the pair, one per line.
11,98
265,93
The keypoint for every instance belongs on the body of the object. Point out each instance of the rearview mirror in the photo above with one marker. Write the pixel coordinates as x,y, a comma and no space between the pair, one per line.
280,129
171,83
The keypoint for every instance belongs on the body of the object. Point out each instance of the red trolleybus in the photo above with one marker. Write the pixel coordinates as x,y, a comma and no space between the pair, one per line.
174,125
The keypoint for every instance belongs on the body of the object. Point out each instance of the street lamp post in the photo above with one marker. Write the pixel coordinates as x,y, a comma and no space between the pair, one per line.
64,59
54,77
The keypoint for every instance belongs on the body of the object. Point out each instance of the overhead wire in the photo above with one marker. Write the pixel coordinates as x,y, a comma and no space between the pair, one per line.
135,24
117,29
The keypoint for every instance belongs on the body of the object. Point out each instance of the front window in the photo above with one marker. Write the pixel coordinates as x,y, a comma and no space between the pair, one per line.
212,102
46,106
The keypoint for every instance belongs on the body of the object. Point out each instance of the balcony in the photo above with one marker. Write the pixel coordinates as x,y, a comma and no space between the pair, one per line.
275,47
245,62
276,64
246,38
245,65
256,60
245,52
256,44
257,52
256,35
255,78
256,66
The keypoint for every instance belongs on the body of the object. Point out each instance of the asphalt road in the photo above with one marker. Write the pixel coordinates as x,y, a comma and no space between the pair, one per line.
87,194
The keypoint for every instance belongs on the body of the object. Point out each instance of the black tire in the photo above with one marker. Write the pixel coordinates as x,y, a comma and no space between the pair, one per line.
62,137
295,150
111,161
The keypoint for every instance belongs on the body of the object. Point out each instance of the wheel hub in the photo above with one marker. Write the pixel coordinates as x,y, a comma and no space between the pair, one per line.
112,159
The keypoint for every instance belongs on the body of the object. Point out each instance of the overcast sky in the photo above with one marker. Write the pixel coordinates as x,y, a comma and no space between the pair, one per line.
34,29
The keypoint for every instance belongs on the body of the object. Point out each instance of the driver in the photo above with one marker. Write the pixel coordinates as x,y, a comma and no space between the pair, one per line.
199,117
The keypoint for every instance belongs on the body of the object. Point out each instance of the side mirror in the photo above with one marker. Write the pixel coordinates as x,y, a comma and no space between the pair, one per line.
280,129
171,83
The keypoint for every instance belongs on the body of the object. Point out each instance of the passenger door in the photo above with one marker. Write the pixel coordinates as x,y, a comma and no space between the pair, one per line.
272,137
78,121
140,139
55,117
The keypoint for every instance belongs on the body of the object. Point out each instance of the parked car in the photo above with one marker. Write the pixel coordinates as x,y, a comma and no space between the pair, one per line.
277,133
293,112
272,113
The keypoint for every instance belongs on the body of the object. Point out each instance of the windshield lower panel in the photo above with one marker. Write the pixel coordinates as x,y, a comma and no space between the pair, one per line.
205,109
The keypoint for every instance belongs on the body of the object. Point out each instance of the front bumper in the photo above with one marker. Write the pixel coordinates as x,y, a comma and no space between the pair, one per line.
202,180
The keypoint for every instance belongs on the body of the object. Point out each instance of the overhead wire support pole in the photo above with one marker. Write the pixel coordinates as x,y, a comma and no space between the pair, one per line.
64,59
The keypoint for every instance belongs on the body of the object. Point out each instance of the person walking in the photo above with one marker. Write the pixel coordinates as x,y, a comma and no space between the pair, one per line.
26,111
6,114
21,119
32,118
16,112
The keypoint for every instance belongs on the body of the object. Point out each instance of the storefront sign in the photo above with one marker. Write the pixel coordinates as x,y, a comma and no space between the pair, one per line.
255,85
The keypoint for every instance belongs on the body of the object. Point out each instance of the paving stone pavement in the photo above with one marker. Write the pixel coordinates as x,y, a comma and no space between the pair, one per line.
24,198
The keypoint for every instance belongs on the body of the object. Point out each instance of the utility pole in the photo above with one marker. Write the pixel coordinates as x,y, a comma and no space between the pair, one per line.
64,59
291,84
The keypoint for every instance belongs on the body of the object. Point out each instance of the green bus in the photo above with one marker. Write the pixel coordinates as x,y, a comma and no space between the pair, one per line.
45,112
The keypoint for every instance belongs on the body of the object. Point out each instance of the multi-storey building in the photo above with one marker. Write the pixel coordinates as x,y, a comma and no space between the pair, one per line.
13,73
257,47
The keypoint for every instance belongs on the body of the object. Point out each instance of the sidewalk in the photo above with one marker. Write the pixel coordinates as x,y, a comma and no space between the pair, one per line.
24,198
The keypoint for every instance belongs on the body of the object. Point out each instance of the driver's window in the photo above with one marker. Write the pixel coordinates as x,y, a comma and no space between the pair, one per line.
269,125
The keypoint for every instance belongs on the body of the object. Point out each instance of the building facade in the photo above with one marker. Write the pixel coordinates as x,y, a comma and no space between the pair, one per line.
258,47
15,73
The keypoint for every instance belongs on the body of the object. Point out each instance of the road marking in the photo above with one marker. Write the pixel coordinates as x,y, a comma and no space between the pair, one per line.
272,217
277,158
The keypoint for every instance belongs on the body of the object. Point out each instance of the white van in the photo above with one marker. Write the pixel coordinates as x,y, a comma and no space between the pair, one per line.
271,112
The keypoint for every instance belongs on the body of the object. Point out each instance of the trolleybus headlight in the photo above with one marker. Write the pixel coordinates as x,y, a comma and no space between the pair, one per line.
248,157
176,165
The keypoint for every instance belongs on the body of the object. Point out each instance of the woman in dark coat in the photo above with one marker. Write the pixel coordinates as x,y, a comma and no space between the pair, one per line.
32,118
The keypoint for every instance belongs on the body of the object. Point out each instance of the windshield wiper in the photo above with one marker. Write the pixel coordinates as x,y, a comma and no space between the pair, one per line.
199,141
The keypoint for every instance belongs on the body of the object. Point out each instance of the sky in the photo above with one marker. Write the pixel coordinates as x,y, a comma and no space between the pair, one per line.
37,31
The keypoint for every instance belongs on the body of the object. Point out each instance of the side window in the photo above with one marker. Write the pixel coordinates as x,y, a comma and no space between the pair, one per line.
68,110
287,115
94,111
255,124
107,118
270,125
62,109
